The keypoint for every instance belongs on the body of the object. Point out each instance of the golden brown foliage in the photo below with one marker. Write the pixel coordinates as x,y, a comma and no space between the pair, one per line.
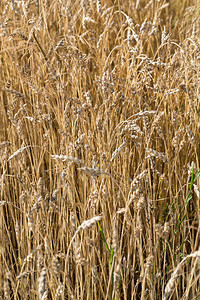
99,138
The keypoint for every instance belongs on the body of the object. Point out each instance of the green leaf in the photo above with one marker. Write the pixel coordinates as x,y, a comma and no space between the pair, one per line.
197,176
103,236
111,256
192,177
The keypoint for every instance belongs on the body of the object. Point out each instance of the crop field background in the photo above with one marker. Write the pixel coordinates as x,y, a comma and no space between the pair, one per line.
99,149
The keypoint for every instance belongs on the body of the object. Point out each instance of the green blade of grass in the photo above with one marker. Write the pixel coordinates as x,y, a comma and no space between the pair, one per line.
197,176
103,236
192,177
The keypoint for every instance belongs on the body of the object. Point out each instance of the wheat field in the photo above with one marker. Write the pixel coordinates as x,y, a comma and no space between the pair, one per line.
99,149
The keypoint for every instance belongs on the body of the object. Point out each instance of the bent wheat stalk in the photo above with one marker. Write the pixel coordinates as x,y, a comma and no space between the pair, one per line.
171,283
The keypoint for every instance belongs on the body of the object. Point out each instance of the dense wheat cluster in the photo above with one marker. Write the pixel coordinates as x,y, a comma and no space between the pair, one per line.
99,149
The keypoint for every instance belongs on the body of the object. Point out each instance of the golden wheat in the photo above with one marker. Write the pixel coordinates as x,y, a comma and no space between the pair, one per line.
99,148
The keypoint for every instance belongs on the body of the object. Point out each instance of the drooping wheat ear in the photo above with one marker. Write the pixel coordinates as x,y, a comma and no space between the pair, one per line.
2,203
7,289
40,262
42,285
31,223
16,153
171,283
69,158
156,154
56,266
135,184
89,223
98,3
117,278
17,230
93,171
85,225
148,267
83,4
2,180
21,150
73,222
29,258
40,186
23,275
118,150
140,225
190,136
54,195
165,36
166,231
94,275
76,245
78,143
196,190
59,290
93,199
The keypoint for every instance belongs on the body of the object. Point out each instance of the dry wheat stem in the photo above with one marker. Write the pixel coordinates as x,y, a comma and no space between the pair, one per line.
171,283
